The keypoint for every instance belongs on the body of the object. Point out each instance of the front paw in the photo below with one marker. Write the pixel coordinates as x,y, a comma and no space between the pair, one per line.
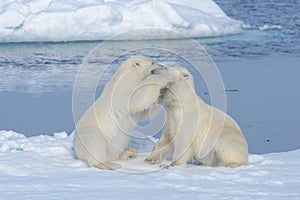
178,163
153,159
129,154
164,166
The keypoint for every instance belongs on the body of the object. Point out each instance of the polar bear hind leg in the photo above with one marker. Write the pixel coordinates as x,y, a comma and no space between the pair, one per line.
107,166
91,146
231,150
210,159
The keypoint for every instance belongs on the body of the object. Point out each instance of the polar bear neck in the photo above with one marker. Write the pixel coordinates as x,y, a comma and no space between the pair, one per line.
125,75
181,95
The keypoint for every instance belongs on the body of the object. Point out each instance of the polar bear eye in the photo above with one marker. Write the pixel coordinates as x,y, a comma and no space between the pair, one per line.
185,76
137,64
152,63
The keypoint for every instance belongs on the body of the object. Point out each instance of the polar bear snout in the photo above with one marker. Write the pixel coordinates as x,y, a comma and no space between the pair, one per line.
158,69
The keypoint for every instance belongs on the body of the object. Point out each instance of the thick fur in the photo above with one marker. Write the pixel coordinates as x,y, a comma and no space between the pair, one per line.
196,131
103,132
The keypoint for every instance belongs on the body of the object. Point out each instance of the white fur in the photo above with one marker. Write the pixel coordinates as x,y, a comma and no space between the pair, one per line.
103,132
197,131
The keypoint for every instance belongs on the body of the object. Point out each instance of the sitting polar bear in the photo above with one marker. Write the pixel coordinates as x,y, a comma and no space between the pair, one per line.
196,131
103,132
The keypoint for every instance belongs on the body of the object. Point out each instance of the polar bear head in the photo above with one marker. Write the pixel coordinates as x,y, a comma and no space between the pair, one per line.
180,87
181,77
139,65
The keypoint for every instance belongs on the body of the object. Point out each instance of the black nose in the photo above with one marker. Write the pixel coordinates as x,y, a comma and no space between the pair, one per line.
152,71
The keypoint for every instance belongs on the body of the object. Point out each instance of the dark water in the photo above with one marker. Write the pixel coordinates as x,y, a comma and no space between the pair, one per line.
258,13
26,66
36,79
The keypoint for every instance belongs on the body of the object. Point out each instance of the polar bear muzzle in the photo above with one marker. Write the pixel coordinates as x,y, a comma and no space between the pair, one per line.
158,69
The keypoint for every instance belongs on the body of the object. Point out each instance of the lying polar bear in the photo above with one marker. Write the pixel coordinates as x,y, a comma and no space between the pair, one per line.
103,132
195,130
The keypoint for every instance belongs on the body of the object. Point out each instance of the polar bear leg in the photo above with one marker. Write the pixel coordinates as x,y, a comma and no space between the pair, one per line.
129,154
182,150
231,149
107,166
160,149
183,159
210,159
90,145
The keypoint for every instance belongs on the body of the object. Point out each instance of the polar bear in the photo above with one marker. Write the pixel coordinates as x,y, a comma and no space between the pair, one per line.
103,132
196,131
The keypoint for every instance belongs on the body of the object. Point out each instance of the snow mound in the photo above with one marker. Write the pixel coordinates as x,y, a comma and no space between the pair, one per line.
55,20
44,167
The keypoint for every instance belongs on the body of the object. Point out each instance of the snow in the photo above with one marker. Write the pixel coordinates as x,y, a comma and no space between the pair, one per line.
55,20
265,27
270,27
44,167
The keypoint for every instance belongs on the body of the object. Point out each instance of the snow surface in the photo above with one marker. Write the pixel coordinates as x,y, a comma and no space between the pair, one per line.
44,167
69,20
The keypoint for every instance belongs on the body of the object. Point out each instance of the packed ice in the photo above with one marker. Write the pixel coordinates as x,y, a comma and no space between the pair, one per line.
44,167
73,20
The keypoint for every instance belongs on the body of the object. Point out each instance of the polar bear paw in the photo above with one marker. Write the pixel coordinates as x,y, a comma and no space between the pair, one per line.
129,154
178,163
107,166
154,159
